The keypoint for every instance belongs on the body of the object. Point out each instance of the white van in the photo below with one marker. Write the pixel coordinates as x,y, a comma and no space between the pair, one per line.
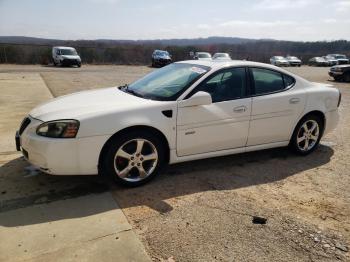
63,55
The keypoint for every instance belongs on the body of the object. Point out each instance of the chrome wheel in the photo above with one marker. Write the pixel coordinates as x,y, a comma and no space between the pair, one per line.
308,135
135,160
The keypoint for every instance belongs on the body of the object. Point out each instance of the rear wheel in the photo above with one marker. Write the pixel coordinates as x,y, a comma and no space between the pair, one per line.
133,159
307,135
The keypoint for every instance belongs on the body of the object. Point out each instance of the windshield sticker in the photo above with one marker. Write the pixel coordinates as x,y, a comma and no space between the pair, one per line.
198,70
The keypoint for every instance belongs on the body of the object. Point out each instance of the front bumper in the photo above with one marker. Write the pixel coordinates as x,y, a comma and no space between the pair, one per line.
162,62
282,64
332,119
335,73
67,156
295,63
68,62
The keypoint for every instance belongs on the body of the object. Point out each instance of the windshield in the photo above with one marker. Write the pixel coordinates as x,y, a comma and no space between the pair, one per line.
168,82
340,56
292,57
68,52
279,58
320,59
221,55
162,53
204,55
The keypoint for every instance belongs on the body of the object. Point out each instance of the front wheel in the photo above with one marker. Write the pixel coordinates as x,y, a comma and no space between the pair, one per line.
307,135
134,158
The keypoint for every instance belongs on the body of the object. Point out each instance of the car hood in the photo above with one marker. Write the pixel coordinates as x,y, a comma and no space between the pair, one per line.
340,66
294,60
87,104
163,57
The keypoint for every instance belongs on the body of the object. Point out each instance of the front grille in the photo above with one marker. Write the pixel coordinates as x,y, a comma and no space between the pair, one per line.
26,121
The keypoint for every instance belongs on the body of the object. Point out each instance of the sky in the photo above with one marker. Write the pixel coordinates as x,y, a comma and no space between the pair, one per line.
297,20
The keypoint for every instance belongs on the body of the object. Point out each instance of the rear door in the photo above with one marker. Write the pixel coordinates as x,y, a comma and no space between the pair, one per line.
276,105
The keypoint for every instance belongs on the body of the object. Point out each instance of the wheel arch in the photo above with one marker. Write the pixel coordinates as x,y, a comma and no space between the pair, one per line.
144,128
317,113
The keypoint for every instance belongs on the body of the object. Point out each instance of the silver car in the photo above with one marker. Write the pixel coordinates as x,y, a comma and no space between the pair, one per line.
221,56
293,61
279,61
341,59
331,60
202,56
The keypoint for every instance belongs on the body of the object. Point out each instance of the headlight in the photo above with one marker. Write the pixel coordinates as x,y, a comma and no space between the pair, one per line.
59,129
338,69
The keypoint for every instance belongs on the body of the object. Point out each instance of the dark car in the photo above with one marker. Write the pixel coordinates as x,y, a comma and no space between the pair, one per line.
340,73
160,58
318,61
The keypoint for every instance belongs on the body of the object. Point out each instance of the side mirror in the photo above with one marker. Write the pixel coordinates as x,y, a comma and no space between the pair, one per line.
198,99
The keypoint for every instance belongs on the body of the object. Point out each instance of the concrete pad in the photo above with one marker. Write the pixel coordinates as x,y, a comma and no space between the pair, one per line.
19,94
88,228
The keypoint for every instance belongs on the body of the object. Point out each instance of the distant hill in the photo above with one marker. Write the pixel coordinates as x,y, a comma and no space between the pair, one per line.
29,40
109,42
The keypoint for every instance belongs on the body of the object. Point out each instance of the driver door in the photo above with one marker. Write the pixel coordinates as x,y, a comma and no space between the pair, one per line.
224,124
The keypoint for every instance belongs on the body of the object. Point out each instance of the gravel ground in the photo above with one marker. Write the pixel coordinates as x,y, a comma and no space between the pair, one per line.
204,210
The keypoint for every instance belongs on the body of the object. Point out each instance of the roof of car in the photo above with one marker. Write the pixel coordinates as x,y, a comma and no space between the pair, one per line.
215,64
63,47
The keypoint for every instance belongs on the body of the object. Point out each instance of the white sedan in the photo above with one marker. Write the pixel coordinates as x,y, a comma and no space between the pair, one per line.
185,111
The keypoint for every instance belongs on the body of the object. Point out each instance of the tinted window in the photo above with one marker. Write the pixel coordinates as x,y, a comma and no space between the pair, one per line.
226,85
288,81
267,81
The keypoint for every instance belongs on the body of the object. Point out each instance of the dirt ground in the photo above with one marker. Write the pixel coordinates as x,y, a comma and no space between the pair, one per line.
203,210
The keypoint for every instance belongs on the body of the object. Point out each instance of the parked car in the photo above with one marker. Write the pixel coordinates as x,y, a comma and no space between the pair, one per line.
342,59
331,60
202,56
221,56
279,61
340,73
293,61
65,56
318,61
185,111
161,58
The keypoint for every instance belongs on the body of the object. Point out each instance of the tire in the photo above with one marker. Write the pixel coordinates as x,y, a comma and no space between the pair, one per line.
338,78
79,65
122,154
54,63
347,77
305,139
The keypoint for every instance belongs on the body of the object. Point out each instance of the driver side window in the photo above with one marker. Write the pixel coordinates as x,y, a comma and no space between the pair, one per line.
225,85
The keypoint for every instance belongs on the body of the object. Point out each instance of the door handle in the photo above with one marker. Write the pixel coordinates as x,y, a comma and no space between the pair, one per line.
294,100
240,109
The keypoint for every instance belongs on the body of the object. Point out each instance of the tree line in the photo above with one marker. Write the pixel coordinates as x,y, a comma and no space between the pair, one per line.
140,54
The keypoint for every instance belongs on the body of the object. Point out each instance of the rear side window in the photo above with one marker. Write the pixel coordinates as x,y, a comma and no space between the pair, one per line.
268,81
288,80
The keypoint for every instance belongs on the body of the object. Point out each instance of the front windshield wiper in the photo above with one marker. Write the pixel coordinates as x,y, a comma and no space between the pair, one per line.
126,89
